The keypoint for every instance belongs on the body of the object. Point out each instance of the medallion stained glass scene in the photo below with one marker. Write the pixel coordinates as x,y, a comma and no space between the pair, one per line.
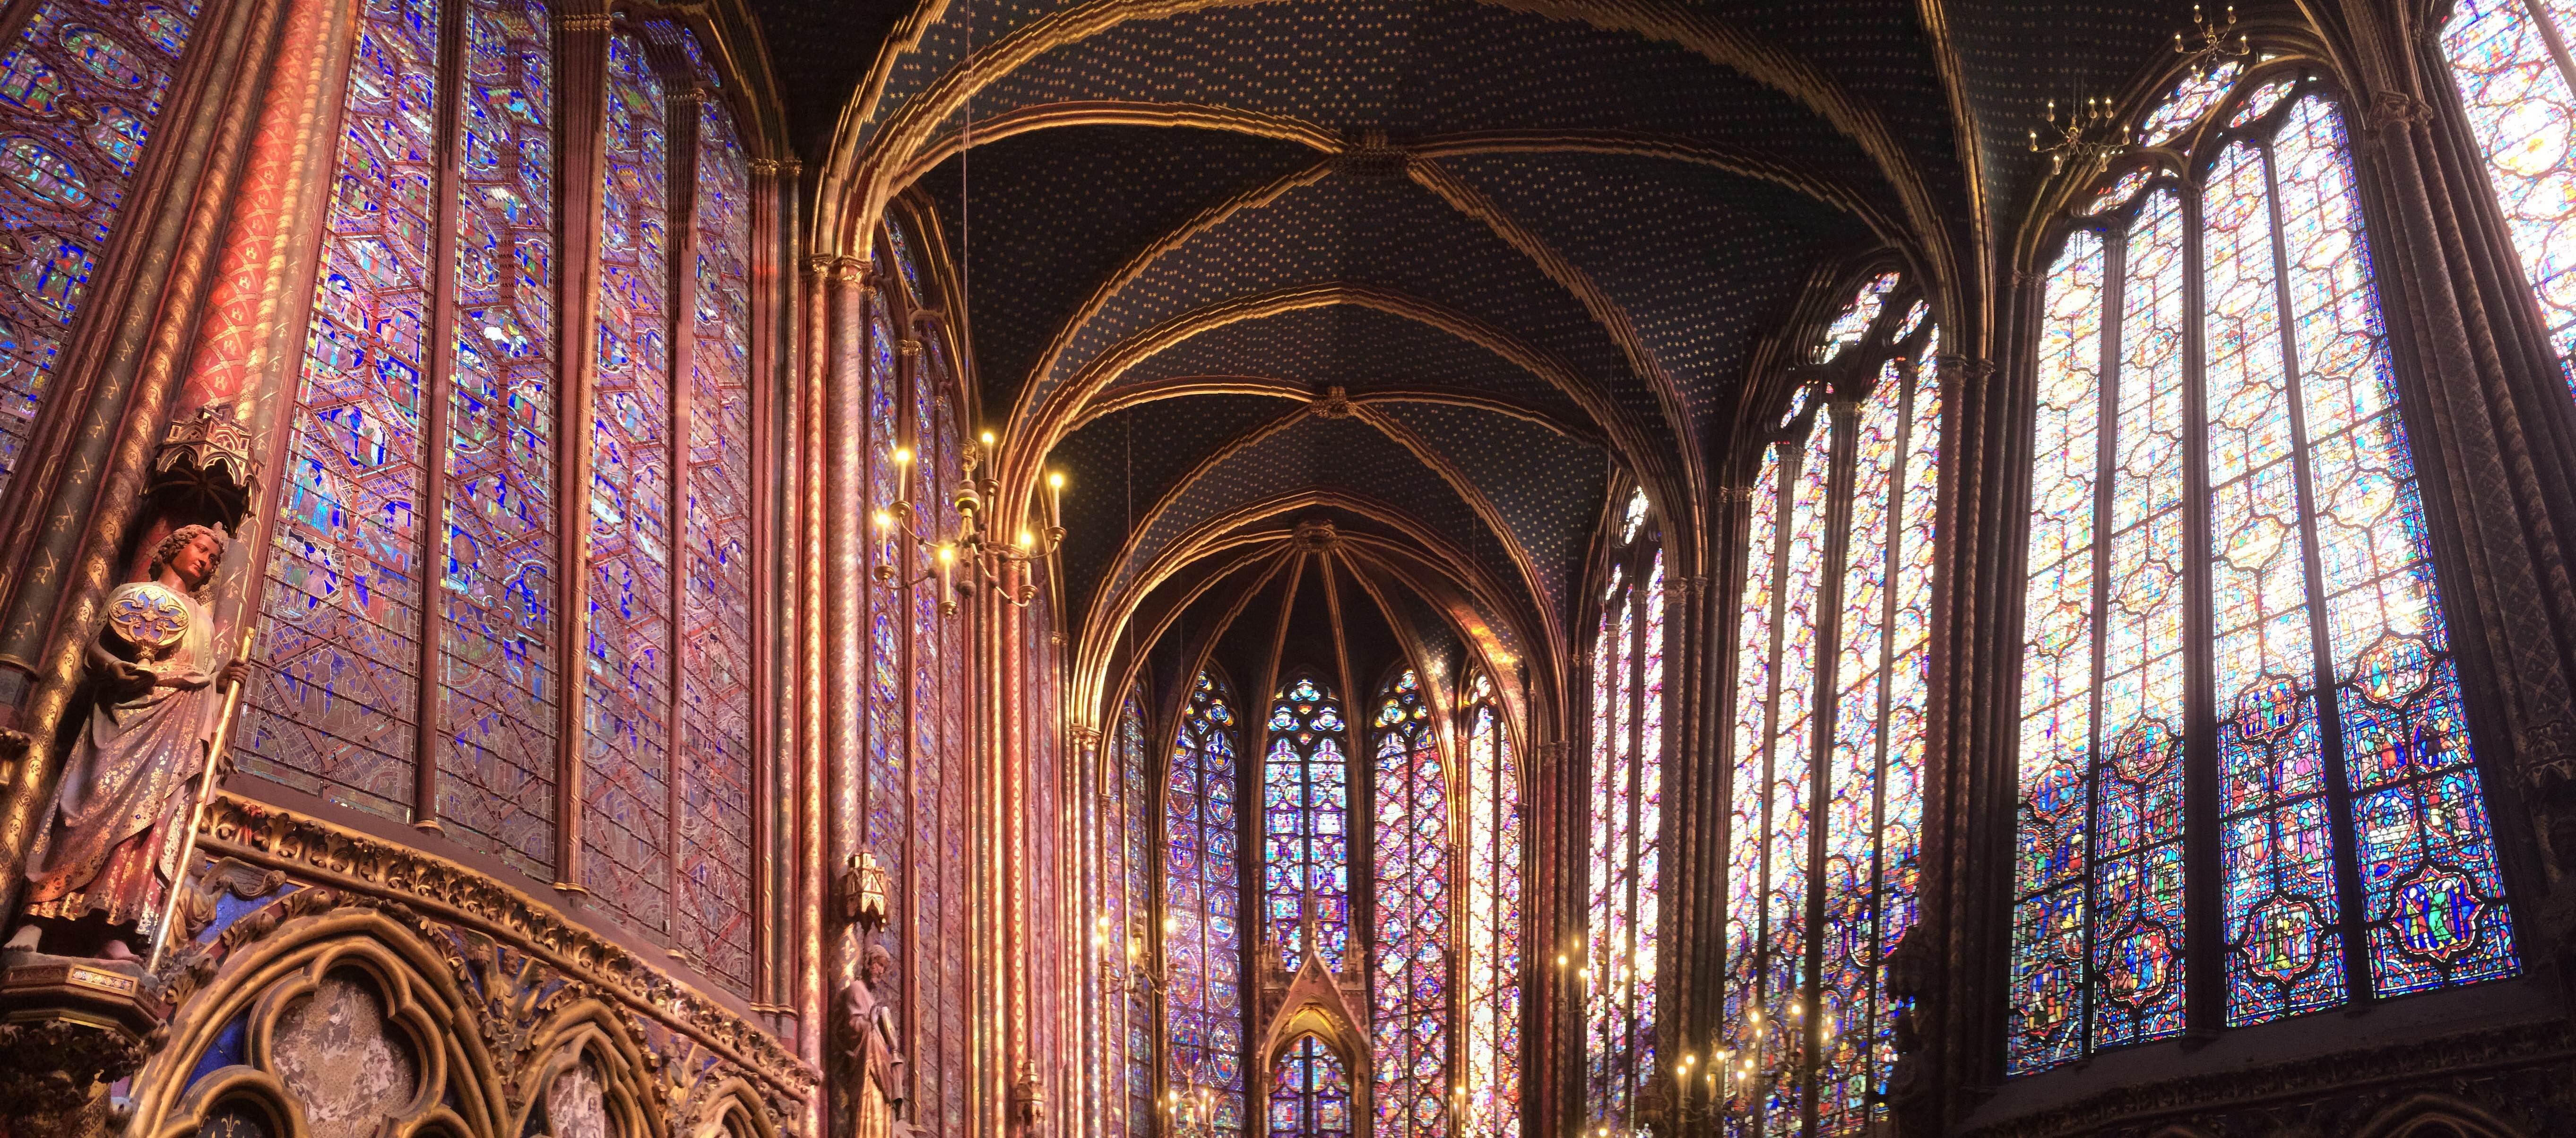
2353,850
1305,826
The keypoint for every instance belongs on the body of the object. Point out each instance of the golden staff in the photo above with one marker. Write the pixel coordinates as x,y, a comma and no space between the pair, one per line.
215,745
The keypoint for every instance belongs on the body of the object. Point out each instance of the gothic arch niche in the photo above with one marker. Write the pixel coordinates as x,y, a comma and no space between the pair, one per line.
594,1082
2435,1116
1317,1070
343,1025
732,1110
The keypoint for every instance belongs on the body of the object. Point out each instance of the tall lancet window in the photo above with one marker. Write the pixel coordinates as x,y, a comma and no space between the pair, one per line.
1826,786
2224,514
1492,1037
80,91
1305,825
1624,879
1202,936
2518,85
421,639
1125,1056
1412,990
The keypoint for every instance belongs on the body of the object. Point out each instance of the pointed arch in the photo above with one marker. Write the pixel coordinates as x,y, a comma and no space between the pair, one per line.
1202,934
2252,452
1305,821
1414,877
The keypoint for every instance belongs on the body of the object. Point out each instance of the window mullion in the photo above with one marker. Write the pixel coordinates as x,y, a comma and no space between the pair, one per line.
1891,563
2550,35
680,160
2106,432
1780,529
1843,413
2204,900
2339,843
430,702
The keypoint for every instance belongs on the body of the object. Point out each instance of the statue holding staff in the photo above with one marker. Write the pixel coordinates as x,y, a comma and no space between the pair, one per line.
100,873
871,1093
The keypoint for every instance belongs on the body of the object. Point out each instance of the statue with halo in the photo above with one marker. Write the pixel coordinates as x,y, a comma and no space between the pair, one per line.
101,873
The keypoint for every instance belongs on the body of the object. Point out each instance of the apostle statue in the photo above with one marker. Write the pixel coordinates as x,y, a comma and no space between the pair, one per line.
100,871
872,1071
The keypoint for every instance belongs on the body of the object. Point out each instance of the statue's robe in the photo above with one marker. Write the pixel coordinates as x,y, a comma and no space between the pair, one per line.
112,845
876,1086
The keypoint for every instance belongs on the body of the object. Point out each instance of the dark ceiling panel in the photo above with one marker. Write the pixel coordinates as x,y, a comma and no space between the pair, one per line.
2016,56
1057,211
1700,260
821,51
1344,455
1359,349
1412,68
1122,464
1548,488
1381,232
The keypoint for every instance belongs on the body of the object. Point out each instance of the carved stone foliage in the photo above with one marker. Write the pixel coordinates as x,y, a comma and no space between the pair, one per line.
2507,1083
348,988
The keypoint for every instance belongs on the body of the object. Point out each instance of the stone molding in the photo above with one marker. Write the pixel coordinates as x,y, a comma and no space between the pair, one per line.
319,853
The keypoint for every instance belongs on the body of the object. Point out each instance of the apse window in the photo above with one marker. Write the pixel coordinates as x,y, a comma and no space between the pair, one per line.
2224,514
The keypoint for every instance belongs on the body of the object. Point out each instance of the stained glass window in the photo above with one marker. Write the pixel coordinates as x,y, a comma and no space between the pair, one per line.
889,615
715,768
938,746
385,627
1305,825
2518,86
80,91
2350,835
1619,958
498,580
1125,1057
1202,935
1492,1044
336,713
1310,1093
628,681
1412,951
1825,787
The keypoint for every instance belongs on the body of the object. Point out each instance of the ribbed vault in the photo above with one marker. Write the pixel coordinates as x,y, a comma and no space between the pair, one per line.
1446,274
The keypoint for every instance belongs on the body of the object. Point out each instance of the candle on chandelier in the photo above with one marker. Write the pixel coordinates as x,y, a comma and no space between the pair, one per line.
1055,499
947,569
903,474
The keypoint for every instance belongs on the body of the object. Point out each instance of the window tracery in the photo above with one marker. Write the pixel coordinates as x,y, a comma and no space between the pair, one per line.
2337,797
416,621
1830,690
2518,87
1620,956
1202,936
80,91
1411,951
1305,814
